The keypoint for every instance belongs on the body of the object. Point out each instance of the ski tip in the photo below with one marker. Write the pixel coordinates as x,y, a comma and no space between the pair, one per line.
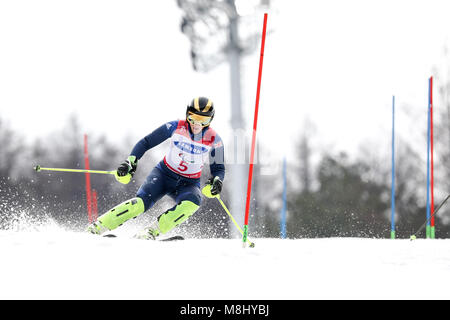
110,235
174,238
37,168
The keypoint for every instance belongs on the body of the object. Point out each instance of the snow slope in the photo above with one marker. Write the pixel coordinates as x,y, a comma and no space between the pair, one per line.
56,264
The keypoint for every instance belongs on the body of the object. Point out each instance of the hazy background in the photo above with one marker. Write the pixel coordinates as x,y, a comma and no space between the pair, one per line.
117,70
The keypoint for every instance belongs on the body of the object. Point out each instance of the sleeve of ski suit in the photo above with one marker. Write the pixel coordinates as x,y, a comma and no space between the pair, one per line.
158,136
217,159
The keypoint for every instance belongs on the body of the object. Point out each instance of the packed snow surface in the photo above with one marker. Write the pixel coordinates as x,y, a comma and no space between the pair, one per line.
59,264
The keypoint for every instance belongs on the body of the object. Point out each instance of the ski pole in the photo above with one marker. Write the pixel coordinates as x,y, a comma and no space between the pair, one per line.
251,244
38,168
413,237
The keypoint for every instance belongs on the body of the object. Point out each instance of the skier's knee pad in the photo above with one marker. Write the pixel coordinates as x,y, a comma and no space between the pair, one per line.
176,215
122,212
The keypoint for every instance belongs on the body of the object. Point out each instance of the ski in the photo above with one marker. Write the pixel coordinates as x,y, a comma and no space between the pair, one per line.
109,235
174,238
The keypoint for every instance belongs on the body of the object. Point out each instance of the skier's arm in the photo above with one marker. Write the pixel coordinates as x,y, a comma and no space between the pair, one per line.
214,184
217,159
153,139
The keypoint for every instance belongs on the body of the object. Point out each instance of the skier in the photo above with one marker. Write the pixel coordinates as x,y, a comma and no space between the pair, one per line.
192,143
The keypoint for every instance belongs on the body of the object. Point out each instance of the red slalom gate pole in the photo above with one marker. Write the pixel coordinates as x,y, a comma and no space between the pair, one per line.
433,231
88,179
255,124
94,205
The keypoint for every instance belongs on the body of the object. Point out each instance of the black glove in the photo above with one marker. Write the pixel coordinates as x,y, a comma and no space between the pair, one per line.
216,185
127,167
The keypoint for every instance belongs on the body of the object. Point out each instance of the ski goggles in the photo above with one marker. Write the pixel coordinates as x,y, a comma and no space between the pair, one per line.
198,119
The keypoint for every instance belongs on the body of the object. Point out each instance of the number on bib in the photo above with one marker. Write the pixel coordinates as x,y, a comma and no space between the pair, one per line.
182,166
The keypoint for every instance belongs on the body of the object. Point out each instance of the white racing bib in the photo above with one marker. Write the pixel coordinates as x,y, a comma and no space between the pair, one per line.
187,157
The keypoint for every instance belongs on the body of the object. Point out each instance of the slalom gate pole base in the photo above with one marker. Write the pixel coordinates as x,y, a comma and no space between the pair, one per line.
428,232
244,236
433,232
392,234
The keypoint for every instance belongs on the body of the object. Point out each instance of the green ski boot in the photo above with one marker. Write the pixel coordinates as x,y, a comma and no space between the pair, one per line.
117,216
96,228
168,220
149,233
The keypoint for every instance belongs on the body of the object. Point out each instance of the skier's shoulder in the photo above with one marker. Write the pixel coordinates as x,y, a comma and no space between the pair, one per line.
170,127
212,137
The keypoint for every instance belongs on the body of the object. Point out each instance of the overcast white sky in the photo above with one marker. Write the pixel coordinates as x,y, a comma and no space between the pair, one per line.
124,68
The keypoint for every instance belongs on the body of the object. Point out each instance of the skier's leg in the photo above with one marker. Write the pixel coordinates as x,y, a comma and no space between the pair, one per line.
188,200
150,192
117,216
153,189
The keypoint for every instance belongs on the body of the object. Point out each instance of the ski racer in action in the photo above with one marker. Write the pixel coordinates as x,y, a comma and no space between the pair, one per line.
192,143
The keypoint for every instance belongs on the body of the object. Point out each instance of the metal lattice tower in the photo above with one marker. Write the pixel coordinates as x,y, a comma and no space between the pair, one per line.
223,31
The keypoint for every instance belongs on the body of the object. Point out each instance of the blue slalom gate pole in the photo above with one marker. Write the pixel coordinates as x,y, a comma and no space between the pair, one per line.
283,209
428,228
393,172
